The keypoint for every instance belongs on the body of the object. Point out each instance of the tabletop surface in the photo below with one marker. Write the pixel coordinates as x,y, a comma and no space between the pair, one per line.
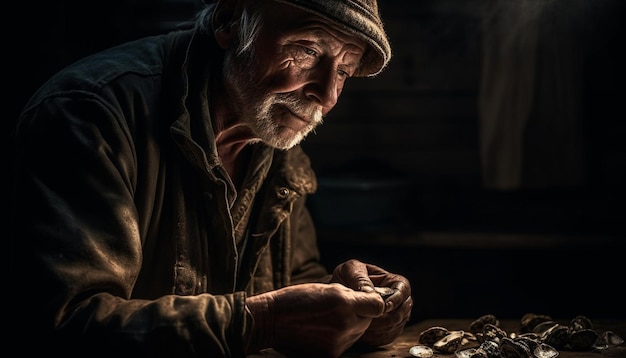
409,338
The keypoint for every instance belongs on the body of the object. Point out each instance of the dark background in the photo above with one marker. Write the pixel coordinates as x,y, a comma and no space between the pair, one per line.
399,159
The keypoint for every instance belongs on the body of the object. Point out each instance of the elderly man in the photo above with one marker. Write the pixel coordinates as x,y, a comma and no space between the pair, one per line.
160,192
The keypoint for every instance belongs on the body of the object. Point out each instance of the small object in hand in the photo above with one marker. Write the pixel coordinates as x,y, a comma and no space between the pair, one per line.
384,292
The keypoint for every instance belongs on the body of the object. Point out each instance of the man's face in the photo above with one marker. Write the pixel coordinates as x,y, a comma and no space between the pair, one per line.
293,75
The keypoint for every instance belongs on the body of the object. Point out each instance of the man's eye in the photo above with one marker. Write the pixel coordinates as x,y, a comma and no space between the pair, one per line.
343,73
304,57
309,51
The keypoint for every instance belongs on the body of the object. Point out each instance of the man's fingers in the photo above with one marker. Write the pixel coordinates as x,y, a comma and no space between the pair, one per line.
354,274
401,292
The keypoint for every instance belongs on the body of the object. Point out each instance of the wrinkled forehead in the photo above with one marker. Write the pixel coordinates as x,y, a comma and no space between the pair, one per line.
359,18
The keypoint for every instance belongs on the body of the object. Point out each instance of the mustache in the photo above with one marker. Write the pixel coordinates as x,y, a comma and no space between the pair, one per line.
301,107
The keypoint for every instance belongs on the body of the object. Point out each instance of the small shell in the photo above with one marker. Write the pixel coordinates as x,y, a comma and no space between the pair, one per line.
449,343
612,339
607,340
583,339
545,351
531,320
542,327
491,348
557,336
384,292
493,333
529,342
469,338
533,336
432,335
471,353
581,322
421,352
478,325
512,349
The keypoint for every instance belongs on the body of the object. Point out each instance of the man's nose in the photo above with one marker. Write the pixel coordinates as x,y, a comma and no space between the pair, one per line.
323,86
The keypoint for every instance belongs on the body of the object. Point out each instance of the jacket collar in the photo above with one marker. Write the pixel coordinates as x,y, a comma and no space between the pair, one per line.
193,130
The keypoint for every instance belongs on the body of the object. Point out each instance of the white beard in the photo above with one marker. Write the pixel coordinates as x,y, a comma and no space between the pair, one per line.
257,108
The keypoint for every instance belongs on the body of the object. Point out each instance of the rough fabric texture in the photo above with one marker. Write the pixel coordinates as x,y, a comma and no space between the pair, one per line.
123,242
360,17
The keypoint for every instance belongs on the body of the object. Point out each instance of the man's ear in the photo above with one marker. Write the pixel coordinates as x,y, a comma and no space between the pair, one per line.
225,20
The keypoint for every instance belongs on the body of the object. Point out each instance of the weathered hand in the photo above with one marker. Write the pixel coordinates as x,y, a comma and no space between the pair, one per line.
387,328
312,320
364,277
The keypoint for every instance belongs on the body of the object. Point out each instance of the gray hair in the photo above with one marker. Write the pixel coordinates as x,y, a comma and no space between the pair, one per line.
249,23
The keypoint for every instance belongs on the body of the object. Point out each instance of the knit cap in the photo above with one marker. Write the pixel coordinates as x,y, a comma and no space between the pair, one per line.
362,18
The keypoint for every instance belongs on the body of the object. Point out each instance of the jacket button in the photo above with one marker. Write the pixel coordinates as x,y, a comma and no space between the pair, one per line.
283,192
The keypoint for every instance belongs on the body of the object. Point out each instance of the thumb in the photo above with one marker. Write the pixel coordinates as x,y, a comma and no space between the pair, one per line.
368,304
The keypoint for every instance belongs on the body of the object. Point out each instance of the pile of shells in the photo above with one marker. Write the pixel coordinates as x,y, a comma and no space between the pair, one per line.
579,335
539,337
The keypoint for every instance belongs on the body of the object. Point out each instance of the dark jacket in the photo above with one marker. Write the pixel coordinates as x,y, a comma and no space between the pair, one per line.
125,221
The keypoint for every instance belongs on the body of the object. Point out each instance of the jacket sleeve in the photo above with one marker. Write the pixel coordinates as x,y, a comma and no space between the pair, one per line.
77,250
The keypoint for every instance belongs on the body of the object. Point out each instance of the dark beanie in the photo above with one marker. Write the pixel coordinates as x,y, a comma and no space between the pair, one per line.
361,17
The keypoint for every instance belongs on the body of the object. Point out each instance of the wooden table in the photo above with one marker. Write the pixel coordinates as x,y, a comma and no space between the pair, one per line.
400,347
